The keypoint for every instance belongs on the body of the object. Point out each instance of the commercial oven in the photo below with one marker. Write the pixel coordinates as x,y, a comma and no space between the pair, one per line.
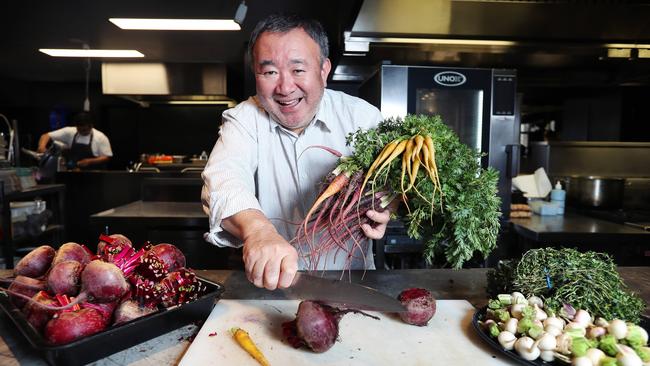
480,105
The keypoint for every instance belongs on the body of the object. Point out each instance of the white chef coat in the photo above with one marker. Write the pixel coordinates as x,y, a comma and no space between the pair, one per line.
257,164
101,146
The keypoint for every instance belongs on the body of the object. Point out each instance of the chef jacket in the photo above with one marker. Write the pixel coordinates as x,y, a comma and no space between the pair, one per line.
258,164
99,144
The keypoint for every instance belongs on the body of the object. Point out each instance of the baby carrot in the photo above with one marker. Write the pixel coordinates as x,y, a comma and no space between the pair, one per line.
245,341
333,188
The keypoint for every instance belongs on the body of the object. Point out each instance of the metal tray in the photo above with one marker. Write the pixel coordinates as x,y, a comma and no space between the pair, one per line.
480,315
116,338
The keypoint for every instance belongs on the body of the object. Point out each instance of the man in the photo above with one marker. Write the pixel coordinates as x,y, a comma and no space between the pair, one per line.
258,183
87,148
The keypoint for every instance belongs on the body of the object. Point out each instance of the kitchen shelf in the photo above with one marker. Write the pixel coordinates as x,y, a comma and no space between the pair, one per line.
54,196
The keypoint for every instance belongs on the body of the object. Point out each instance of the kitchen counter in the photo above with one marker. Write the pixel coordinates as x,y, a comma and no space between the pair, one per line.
574,227
167,349
158,210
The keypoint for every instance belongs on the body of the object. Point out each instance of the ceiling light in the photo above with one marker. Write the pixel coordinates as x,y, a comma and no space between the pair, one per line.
644,53
175,24
619,52
84,52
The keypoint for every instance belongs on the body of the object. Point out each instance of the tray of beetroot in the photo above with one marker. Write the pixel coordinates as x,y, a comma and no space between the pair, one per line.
76,306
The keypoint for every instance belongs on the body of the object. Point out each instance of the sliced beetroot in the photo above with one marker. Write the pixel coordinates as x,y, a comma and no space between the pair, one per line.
72,252
69,326
170,255
64,278
420,306
26,286
37,315
35,263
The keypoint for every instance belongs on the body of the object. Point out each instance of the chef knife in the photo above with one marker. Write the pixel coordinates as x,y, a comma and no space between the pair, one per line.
341,294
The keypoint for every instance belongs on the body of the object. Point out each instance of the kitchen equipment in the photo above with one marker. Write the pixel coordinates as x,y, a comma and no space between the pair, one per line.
595,192
342,293
115,338
448,339
480,105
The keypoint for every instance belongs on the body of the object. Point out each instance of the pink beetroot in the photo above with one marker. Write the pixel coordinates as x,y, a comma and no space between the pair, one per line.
420,306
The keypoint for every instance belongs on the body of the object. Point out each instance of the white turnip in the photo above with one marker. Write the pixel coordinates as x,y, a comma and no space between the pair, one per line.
420,306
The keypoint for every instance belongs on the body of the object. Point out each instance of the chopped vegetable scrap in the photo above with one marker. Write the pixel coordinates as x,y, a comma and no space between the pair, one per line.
212,334
244,340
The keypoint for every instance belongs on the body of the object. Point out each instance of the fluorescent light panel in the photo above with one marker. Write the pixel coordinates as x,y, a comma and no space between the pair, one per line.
175,24
69,52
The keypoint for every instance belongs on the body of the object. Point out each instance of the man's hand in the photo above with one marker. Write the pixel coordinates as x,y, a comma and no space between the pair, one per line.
270,261
381,219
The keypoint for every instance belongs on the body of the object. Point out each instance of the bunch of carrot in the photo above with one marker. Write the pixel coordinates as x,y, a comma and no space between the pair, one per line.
417,151
334,221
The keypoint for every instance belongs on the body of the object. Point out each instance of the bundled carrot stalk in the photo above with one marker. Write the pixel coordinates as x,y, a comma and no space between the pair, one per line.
420,160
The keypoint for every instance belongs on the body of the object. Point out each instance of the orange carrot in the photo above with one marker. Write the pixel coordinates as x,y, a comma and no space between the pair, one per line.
333,188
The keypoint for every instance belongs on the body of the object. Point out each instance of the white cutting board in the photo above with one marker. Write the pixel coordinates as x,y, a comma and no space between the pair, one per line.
449,339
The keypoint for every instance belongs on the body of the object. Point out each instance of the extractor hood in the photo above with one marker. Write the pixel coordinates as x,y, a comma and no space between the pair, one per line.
166,83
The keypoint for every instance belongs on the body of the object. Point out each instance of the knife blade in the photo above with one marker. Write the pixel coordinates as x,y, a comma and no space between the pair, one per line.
341,294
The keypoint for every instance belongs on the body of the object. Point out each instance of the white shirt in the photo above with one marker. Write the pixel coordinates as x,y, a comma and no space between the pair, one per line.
255,165
101,145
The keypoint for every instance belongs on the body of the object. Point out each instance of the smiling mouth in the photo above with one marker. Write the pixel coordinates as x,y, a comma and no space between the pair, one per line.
289,103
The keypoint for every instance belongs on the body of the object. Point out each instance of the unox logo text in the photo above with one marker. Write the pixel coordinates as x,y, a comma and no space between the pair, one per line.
450,78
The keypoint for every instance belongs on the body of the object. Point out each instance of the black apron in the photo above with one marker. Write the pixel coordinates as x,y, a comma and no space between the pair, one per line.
79,152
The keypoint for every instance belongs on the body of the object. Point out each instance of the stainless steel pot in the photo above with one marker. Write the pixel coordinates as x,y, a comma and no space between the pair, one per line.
595,192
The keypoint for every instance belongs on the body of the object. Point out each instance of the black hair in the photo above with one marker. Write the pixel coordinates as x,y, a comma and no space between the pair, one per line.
283,23
83,119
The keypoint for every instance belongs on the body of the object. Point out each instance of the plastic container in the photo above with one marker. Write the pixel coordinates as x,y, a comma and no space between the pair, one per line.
116,338
558,196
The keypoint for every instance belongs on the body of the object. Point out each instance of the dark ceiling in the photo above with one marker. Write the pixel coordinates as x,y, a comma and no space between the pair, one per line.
26,26
550,59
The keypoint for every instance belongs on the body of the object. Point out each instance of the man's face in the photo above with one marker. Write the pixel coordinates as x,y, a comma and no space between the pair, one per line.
84,130
289,77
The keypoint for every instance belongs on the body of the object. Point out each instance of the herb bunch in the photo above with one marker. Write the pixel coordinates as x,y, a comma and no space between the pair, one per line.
586,281
461,221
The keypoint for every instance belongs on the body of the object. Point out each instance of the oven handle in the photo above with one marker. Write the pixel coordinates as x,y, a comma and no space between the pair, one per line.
512,160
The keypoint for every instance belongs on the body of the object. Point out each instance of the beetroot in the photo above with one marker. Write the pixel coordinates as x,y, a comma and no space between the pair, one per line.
71,251
37,315
102,282
69,326
316,325
420,306
110,245
35,263
64,278
129,310
25,286
170,255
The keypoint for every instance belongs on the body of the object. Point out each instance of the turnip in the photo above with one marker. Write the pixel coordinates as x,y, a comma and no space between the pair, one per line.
420,306
64,278
35,263
72,251
316,325
72,325
25,286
